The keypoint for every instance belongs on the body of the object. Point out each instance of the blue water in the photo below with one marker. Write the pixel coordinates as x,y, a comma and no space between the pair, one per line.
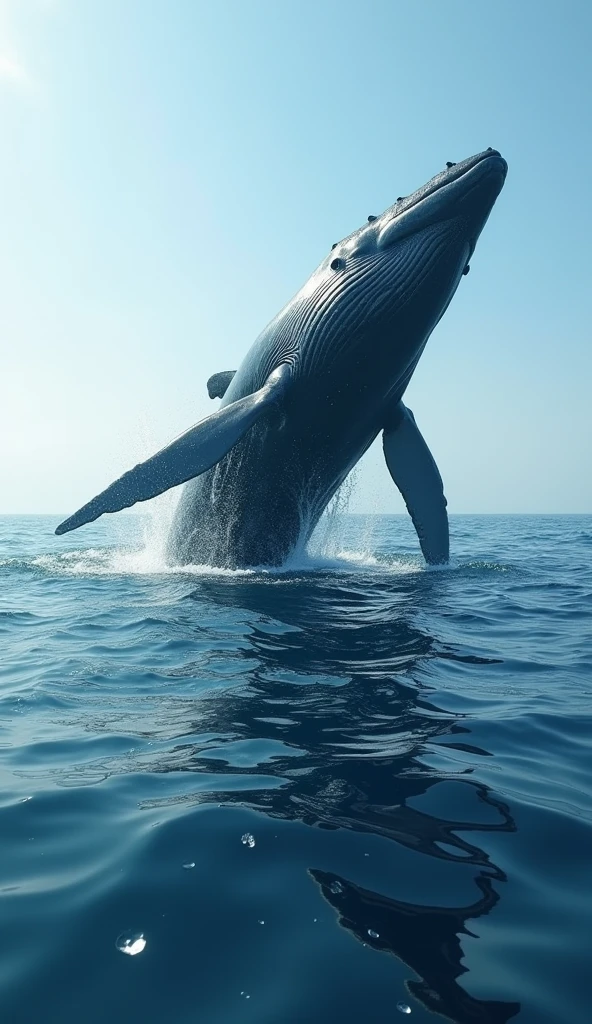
410,750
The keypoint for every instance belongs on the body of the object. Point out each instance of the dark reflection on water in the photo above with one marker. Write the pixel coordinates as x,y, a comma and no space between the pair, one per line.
350,757
427,939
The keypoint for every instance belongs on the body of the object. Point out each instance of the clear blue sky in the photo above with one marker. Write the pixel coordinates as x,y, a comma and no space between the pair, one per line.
173,170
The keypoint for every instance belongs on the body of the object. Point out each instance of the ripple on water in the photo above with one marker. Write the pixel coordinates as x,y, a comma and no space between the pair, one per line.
352,771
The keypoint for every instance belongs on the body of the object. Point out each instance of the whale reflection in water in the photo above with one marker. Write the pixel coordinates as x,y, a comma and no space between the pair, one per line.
361,732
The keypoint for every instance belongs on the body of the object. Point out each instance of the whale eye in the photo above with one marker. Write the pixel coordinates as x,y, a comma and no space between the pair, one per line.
371,218
334,246
337,264
400,199
450,163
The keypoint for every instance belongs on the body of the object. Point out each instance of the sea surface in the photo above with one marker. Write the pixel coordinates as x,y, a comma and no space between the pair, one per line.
345,791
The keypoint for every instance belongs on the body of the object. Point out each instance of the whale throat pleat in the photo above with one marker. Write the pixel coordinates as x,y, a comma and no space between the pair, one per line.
369,290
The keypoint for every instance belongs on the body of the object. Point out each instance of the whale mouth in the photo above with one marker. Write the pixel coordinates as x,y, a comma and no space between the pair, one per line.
467,188
490,161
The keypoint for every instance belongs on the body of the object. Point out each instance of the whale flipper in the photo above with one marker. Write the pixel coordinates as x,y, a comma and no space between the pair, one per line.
218,384
413,469
189,455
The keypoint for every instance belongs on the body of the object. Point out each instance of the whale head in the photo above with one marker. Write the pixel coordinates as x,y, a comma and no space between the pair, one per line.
379,292
462,196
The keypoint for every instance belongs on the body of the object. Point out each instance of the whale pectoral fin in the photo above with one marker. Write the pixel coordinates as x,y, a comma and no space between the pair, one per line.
413,469
191,454
218,384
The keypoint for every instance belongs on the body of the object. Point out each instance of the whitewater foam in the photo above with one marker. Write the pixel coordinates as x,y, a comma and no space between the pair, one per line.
140,547
144,561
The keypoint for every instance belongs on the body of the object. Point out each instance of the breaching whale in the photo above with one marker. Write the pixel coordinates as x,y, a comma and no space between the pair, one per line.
317,387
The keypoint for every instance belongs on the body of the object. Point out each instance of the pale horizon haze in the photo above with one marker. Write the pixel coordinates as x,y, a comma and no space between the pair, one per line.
173,172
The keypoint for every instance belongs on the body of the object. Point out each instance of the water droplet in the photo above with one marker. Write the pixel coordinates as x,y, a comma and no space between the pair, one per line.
314,920
248,840
190,864
336,887
26,799
373,934
403,1008
260,922
131,942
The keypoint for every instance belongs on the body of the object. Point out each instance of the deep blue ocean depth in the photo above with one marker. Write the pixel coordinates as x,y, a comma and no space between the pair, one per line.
338,792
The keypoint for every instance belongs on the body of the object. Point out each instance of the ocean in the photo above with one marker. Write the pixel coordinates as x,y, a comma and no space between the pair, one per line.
353,789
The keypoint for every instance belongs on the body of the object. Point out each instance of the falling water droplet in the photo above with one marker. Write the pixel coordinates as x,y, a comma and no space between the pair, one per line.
190,864
248,840
403,1008
131,942
373,934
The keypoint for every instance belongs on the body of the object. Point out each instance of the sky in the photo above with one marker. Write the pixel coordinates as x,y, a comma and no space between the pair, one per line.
172,171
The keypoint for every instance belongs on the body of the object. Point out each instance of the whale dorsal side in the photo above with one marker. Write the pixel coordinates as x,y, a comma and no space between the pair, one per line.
414,470
218,383
188,456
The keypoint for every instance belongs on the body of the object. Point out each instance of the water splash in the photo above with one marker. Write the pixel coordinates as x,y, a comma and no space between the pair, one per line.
156,528
148,560
122,562
328,537
130,545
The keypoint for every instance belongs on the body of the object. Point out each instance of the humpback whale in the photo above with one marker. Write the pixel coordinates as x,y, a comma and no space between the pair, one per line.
319,384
